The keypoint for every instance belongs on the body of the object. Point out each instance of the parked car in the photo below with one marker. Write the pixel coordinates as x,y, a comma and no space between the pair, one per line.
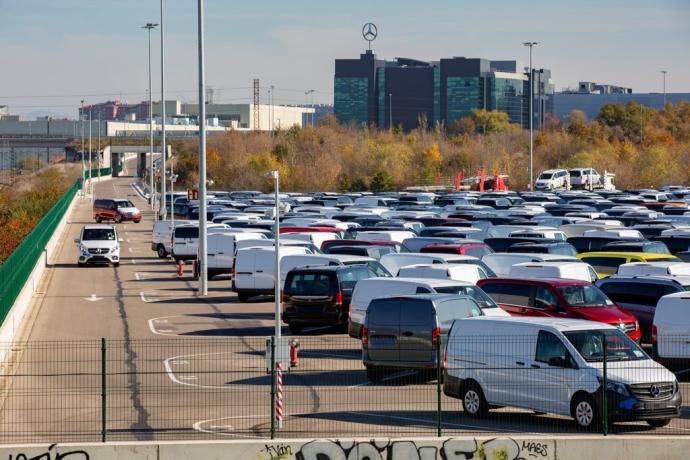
656,247
558,270
471,248
607,263
581,178
553,365
461,272
185,240
500,262
374,251
394,262
675,244
118,210
408,332
671,330
372,288
562,249
288,262
591,243
639,295
553,179
320,296
221,250
98,244
655,268
560,299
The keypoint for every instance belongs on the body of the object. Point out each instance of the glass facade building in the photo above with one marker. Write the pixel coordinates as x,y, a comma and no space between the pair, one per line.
439,91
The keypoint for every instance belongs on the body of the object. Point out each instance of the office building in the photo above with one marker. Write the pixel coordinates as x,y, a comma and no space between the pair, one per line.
403,92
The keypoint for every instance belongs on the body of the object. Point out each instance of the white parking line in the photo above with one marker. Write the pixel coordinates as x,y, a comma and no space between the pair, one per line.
136,275
143,298
177,359
188,377
134,262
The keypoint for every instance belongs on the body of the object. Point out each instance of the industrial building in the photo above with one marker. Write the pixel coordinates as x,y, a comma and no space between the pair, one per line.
370,91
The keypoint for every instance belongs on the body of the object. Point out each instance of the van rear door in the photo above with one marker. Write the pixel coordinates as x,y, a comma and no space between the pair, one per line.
417,322
244,270
383,322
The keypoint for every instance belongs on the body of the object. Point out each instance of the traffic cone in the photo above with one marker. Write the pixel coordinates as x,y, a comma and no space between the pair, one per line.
180,267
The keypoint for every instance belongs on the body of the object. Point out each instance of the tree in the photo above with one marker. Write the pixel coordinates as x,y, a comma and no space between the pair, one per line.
490,121
461,126
382,182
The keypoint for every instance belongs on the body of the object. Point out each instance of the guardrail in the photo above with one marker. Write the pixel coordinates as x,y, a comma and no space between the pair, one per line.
98,173
18,267
224,388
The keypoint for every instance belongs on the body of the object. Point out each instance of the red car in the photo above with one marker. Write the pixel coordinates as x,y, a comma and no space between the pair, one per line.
118,210
328,243
559,298
474,249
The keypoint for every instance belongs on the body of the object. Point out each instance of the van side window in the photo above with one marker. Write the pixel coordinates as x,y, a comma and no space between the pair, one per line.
544,297
633,293
605,265
516,294
549,346
422,290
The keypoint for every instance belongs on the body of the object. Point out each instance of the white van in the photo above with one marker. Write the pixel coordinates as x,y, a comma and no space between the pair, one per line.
555,366
316,238
505,231
385,235
162,235
457,272
372,288
221,250
395,261
654,269
615,233
537,233
254,270
672,328
500,262
185,240
553,179
580,228
561,270
372,201
270,242
289,262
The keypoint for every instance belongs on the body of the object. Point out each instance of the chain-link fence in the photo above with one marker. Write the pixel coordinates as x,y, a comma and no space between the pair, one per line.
226,388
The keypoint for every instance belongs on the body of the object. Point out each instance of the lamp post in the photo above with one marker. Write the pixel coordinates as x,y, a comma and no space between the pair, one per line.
150,26
664,72
276,229
531,116
90,161
83,161
306,103
203,268
164,149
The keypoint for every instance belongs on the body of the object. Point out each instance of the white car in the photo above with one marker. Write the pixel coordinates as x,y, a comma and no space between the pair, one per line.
98,244
672,328
555,365
553,179
583,177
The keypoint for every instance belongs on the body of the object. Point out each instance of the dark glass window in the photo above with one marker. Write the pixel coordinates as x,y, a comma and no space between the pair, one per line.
549,346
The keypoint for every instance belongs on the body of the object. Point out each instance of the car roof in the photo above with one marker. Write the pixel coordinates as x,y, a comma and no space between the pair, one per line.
432,297
433,282
665,279
98,226
561,324
642,255
321,268
555,282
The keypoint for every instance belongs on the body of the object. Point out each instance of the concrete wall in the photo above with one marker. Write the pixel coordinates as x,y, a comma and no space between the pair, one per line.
61,128
460,448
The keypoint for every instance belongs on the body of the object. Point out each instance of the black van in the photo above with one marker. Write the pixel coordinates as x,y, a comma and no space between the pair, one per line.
405,332
320,296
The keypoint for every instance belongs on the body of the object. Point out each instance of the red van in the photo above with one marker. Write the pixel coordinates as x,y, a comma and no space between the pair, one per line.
474,249
559,298
118,210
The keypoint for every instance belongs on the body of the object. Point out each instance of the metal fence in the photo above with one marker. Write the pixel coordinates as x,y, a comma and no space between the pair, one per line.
18,266
95,172
223,388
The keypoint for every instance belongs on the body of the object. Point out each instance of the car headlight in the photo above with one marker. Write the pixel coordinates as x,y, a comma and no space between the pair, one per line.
82,248
115,249
616,387
675,386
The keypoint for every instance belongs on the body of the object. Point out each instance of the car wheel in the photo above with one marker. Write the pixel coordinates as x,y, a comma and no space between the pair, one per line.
137,221
162,253
473,402
116,264
659,423
375,374
295,328
118,219
98,219
584,412
242,296
80,264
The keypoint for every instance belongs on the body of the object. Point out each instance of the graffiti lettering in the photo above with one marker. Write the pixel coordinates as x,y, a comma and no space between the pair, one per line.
450,449
48,455
279,451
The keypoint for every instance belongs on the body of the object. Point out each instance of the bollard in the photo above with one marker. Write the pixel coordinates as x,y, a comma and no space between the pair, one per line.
195,269
294,350
180,267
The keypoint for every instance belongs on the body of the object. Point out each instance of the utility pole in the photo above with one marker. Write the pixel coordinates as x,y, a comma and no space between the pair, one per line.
150,26
664,72
203,268
270,110
306,105
164,150
83,161
90,161
99,146
531,116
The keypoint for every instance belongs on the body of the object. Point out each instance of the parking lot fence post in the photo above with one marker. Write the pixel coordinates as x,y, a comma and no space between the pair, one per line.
604,398
273,387
103,392
439,382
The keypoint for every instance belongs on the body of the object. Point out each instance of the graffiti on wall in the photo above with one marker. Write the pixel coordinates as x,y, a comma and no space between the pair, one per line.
449,449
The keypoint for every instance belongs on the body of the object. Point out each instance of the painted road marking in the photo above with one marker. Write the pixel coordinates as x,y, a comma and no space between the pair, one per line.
136,275
93,298
143,298
188,377
134,262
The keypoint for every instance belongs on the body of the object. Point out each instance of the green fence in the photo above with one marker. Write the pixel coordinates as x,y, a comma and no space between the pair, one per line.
18,266
98,173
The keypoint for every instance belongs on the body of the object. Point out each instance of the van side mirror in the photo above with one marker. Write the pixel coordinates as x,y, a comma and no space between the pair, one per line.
76,240
558,361
119,240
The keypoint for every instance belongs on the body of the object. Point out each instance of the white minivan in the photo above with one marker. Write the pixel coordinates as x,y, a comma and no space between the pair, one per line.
371,288
254,270
654,269
553,179
221,250
671,328
501,262
555,365
290,262
457,272
560,270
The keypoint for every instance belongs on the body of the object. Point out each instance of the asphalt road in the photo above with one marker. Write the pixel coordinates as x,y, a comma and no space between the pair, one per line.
180,366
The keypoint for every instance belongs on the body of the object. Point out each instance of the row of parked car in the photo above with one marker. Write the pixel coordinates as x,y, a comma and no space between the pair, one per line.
411,274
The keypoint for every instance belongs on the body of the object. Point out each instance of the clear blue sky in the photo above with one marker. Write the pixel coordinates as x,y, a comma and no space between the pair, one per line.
96,48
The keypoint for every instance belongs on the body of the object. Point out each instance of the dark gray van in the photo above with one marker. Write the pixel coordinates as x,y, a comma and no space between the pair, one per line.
405,332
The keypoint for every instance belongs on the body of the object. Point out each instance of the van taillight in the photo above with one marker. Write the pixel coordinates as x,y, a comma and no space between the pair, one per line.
435,335
654,334
445,359
339,299
365,336
284,297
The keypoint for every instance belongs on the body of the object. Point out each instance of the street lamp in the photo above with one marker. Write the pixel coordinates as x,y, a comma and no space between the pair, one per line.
664,72
90,163
275,175
306,103
164,149
531,116
150,26
83,161
203,267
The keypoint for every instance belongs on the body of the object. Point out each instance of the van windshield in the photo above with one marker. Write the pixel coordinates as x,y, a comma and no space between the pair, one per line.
123,204
545,176
477,294
585,296
98,234
618,346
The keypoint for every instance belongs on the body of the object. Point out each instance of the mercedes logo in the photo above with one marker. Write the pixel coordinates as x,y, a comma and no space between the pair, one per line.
369,31
654,390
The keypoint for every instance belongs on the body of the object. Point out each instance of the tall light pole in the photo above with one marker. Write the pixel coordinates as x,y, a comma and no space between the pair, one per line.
306,103
164,149
83,161
276,229
90,162
203,268
150,26
531,116
270,109
664,72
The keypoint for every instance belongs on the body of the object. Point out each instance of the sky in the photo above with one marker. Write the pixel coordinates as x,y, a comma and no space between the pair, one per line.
54,53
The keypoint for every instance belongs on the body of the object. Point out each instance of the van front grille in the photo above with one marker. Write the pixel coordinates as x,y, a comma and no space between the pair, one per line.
652,391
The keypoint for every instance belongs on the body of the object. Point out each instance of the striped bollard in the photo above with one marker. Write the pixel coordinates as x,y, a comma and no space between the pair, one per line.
279,394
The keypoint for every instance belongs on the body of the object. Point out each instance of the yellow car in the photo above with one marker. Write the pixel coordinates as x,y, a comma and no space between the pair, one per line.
607,263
